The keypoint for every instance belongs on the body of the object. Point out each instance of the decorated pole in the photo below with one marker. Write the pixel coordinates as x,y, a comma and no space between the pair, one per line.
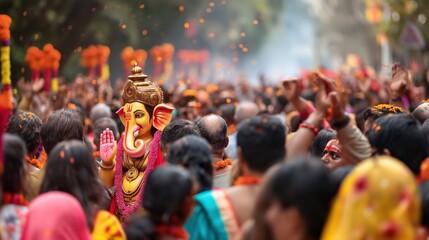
103,71
56,57
6,82
156,53
47,67
33,59
127,56
167,62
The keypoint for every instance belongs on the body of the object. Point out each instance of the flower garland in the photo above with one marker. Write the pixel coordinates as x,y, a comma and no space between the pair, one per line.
128,211
34,162
247,180
14,198
43,157
177,232
222,164
6,82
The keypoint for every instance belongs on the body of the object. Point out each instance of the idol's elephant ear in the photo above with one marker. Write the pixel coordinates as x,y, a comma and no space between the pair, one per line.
121,115
162,115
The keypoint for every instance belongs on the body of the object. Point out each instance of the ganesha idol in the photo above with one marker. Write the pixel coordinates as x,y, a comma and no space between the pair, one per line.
125,165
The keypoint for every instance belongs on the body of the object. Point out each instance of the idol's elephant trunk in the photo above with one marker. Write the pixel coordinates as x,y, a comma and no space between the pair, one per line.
133,147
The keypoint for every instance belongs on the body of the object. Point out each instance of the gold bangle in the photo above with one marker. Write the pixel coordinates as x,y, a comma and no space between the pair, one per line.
107,167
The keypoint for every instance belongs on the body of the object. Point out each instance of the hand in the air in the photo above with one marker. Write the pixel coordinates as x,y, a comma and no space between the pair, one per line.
37,85
400,80
325,90
291,89
107,146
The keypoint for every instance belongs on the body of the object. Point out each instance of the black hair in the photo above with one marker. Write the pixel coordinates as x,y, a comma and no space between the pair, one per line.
26,125
63,124
176,130
100,125
319,143
262,141
176,185
71,168
193,153
338,175
424,193
401,135
215,135
75,105
310,193
14,151
425,127
227,112
140,228
162,207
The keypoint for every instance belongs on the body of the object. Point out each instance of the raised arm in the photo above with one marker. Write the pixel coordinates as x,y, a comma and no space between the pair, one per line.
354,145
300,143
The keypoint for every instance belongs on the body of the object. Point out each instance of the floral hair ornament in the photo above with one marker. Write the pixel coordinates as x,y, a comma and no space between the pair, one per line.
387,108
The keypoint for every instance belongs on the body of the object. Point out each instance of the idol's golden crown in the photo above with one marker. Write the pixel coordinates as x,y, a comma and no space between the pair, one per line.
139,89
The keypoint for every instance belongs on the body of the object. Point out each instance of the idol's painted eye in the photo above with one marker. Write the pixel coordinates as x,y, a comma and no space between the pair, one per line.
324,153
139,115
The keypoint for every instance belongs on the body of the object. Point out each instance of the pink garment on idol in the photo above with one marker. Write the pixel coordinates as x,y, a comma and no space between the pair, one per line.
55,216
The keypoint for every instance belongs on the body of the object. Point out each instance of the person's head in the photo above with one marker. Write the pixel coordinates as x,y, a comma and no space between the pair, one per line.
14,173
245,110
173,204
169,207
332,155
421,112
63,124
26,125
98,111
214,129
320,142
400,136
71,168
227,112
299,195
55,216
260,143
379,199
102,124
176,130
193,153
373,113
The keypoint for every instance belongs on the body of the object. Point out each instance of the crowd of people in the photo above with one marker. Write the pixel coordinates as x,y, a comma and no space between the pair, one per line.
320,156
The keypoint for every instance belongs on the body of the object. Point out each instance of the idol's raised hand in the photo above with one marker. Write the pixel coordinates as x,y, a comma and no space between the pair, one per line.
107,146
